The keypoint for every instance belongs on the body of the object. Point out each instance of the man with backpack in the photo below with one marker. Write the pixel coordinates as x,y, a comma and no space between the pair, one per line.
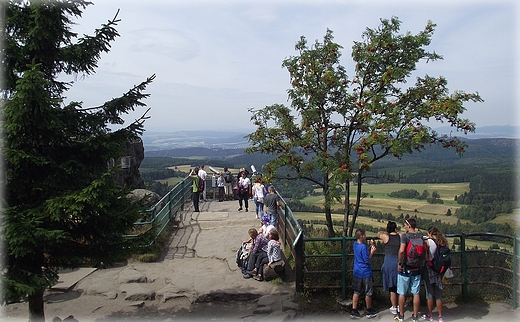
434,269
228,191
412,255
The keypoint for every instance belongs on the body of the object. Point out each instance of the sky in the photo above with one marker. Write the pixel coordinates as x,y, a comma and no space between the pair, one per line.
214,60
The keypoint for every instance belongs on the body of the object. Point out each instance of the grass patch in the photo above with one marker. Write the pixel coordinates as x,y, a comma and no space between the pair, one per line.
153,252
277,281
171,181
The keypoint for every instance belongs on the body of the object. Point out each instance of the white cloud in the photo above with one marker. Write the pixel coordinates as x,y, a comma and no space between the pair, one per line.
170,43
217,58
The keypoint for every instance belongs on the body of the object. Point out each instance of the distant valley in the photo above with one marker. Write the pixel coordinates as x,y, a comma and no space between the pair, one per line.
158,143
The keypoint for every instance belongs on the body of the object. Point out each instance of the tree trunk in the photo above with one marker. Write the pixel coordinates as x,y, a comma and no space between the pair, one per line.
36,313
347,208
358,202
328,209
330,226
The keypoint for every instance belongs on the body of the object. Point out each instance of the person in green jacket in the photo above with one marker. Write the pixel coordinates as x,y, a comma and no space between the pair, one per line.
195,195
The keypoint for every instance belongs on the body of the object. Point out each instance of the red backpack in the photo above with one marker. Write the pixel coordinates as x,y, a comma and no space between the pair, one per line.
416,252
201,184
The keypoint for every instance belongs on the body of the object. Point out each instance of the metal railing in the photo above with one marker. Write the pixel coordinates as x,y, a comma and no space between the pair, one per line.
473,268
169,209
291,233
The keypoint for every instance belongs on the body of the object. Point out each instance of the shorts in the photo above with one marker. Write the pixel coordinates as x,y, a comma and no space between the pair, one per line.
432,290
408,282
362,285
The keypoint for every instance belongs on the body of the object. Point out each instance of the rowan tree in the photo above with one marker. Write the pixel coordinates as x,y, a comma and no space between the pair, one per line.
336,127
62,206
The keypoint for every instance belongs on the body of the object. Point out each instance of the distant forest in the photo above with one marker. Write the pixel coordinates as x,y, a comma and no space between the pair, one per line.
489,165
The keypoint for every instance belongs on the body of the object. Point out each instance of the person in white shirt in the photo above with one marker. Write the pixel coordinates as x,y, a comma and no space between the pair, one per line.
203,174
221,182
243,191
266,226
258,197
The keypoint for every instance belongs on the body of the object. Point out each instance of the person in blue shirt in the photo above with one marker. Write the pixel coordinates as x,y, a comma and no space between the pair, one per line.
362,275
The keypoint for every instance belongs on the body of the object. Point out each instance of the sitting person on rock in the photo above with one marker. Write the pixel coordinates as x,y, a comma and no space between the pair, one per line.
266,226
258,248
273,254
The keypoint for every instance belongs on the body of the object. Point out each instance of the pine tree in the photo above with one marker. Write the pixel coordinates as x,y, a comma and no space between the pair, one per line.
62,206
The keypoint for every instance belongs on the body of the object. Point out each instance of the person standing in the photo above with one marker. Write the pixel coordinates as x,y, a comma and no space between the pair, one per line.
203,174
432,279
392,242
221,182
258,197
228,187
362,275
195,189
272,202
243,191
408,278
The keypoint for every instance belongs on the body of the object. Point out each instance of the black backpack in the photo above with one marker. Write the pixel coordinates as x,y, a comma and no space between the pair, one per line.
441,259
229,177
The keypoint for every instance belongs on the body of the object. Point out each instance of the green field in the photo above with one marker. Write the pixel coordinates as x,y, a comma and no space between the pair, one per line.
171,181
378,200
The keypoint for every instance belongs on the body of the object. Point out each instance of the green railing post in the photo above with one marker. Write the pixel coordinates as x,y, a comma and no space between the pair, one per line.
298,263
516,285
343,268
285,231
170,201
182,196
464,267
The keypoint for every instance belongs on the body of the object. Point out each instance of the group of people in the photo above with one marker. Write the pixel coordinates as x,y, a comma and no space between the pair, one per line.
224,184
241,189
399,278
264,249
266,201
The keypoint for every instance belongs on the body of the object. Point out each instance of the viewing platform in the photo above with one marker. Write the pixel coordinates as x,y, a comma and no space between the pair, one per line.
197,278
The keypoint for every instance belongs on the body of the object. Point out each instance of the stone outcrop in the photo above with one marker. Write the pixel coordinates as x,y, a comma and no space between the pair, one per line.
130,163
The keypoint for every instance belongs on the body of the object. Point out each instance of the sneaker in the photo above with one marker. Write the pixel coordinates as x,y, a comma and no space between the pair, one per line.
247,210
393,310
399,318
239,209
414,319
246,276
370,313
258,277
426,317
252,273
354,314
440,319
